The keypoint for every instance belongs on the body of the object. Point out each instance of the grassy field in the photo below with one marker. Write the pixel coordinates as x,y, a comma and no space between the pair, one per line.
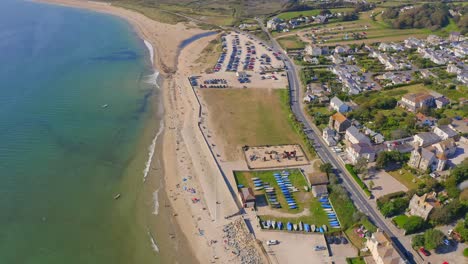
376,30
291,42
313,12
400,220
297,180
249,117
355,261
210,55
359,242
406,178
316,217
396,93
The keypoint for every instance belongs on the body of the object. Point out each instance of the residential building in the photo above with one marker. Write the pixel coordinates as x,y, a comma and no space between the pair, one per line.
339,122
455,36
247,197
463,78
329,135
425,139
445,132
421,159
382,250
422,205
441,102
341,49
361,150
313,50
354,136
415,101
338,105
446,147
453,68
413,43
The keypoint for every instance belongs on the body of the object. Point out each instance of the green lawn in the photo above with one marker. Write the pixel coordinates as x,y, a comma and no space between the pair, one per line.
316,217
357,260
313,12
406,178
302,198
291,42
400,220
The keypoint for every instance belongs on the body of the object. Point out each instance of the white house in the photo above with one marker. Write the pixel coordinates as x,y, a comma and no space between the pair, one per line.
338,105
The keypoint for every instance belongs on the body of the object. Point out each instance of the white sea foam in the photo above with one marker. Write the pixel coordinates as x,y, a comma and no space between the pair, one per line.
156,202
153,242
151,50
151,149
152,79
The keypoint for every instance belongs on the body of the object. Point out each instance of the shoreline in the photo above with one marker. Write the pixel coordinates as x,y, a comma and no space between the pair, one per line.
199,226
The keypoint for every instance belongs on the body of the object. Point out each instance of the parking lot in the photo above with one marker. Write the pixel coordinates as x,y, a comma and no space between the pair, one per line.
295,248
246,63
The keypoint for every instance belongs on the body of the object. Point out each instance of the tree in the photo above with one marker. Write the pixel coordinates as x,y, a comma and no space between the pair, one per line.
326,167
413,224
325,12
417,241
433,238
444,121
410,121
361,165
380,119
371,185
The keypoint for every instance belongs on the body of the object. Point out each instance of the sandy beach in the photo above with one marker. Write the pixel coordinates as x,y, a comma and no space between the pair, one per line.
198,196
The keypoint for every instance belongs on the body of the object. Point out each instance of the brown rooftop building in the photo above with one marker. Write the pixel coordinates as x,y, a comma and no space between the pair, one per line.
339,122
247,197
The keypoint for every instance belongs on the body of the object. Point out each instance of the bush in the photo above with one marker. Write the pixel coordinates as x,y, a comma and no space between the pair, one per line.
394,207
388,197
433,238
414,224
465,252
350,168
417,241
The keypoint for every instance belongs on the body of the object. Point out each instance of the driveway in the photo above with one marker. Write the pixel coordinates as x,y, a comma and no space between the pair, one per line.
384,184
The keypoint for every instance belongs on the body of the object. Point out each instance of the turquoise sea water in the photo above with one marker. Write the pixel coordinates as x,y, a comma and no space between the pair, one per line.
62,155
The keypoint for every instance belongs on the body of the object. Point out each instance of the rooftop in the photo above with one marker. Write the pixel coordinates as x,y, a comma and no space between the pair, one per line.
339,117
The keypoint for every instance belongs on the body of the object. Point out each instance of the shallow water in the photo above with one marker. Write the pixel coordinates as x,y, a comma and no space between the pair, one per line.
63,153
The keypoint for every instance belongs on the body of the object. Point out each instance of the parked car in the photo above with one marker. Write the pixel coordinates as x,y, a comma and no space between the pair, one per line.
446,242
319,248
344,240
272,242
424,251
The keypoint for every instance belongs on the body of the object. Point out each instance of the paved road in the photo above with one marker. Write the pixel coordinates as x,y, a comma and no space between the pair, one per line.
326,155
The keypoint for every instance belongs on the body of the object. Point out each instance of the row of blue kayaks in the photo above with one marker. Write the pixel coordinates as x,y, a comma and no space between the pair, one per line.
332,218
282,179
258,184
293,227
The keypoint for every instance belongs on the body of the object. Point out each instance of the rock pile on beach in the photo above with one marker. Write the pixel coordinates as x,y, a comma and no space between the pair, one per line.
241,243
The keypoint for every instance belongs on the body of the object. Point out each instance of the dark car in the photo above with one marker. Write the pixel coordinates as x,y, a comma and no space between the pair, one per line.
424,251
344,240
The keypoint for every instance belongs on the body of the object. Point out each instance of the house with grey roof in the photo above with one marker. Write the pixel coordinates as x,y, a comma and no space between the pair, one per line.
329,136
445,132
425,139
421,158
338,105
361,150
354,136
